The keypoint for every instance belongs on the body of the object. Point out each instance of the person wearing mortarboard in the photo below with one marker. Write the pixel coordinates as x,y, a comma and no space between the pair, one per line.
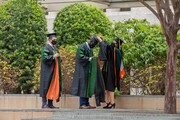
113,69
51,77
85,76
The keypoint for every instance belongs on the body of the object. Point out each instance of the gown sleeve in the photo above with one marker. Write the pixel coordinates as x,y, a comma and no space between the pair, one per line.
82,56
46,57
103,51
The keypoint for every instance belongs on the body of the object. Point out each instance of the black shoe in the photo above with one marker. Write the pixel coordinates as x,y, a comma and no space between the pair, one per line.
53,107
83,107
91,107
45,106
111,106
107,104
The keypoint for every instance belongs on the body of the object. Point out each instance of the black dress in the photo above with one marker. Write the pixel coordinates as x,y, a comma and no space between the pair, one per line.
111,67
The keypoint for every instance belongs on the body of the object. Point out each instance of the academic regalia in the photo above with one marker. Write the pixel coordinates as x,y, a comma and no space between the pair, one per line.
51,77
81,74
111,68
96,82
100,87
86,80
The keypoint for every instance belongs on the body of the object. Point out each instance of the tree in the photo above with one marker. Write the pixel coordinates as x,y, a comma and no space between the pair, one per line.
77,22
169,20
22,32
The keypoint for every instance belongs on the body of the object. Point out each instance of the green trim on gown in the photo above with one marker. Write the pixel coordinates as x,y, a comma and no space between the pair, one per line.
92,77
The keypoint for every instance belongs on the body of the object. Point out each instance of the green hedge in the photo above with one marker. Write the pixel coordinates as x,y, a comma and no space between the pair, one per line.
77,22
22,34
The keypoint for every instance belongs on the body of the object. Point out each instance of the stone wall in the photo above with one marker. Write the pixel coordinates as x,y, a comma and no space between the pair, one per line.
33,101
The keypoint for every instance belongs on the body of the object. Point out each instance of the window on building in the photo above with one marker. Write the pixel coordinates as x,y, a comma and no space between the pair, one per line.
125,9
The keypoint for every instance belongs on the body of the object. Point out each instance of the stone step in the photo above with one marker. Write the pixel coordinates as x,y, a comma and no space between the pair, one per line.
85,114
39,119
77,114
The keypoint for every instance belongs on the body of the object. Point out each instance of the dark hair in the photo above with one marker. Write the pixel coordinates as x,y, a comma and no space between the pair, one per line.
51,35
119,43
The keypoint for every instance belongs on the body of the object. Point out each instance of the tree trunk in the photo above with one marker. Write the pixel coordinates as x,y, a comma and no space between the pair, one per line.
170,84
169,20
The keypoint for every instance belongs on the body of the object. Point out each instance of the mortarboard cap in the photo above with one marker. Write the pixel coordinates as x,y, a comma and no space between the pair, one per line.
50,35
118,39
94,38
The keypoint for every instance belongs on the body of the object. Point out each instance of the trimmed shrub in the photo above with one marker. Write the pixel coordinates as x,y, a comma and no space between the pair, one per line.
8,77
22,34
76,23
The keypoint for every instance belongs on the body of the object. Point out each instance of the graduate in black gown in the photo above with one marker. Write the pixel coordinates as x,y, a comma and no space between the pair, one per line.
112,57
85,81
51,77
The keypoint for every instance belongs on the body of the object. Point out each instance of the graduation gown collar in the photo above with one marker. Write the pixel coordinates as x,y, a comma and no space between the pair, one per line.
88,46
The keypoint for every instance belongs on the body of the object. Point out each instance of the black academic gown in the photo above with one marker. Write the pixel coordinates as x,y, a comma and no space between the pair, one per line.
100,88
80,79
47,68
82,71
110,71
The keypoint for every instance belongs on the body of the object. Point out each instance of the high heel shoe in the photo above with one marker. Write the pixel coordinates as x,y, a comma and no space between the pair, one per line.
107,105
111,106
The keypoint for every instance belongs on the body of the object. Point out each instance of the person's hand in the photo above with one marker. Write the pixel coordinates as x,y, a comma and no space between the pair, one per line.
90,58
99,39
56,55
